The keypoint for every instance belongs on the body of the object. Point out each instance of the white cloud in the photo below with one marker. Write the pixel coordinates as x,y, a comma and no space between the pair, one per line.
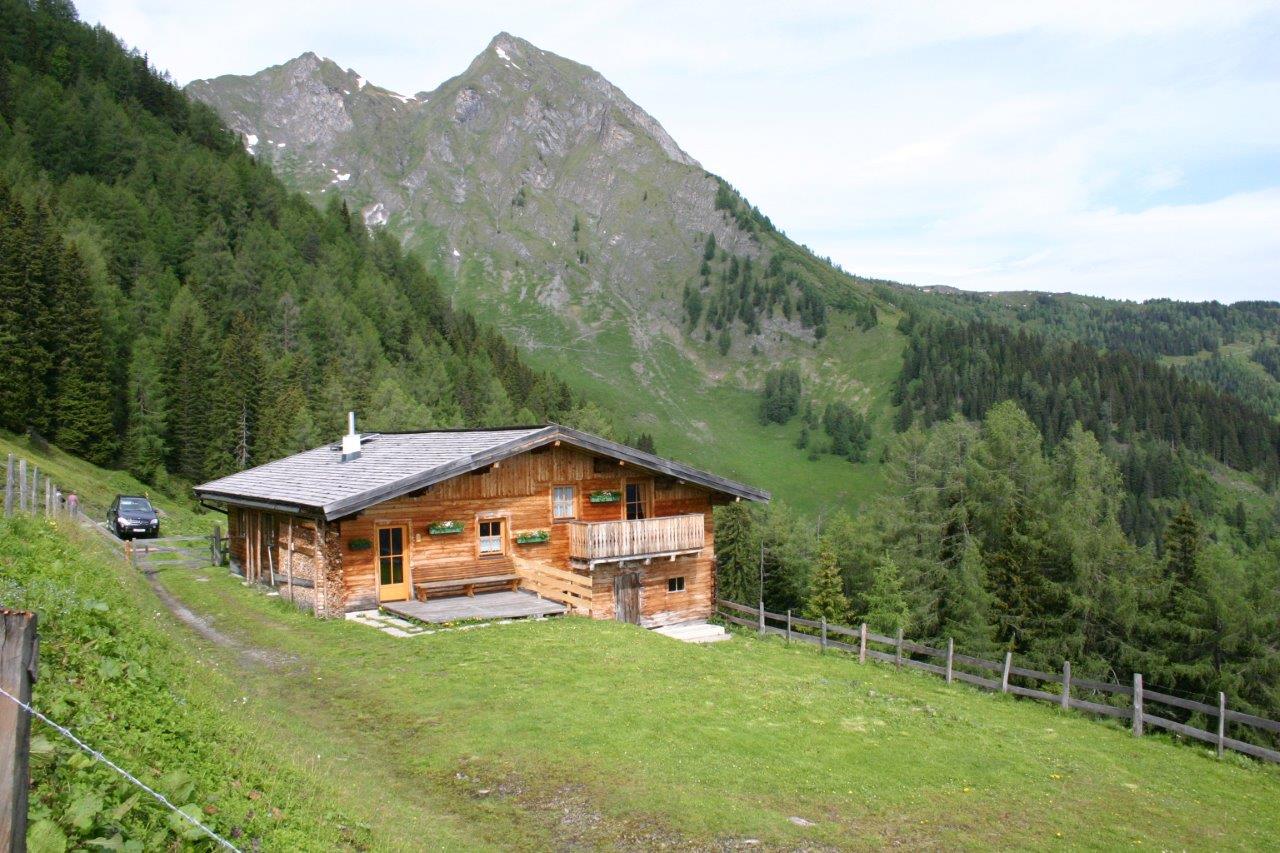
985,145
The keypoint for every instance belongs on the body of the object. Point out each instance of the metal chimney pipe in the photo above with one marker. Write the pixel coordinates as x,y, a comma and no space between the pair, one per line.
350,441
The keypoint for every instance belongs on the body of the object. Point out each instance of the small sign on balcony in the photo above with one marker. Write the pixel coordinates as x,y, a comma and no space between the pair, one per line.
605,496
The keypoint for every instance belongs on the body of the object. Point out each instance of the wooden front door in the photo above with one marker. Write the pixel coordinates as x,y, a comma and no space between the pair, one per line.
626,596
392,585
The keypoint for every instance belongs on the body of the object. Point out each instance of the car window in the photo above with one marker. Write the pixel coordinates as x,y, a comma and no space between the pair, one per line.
134,504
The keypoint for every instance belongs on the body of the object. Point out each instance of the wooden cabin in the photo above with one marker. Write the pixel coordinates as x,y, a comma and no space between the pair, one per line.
556,519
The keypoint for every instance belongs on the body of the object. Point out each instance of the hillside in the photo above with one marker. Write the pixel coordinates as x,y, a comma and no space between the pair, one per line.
169,306
555,207
463,736
551,204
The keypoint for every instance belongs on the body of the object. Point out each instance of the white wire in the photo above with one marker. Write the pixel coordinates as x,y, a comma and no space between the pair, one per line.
98,756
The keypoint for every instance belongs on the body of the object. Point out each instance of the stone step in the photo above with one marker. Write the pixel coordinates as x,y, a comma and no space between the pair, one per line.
694,632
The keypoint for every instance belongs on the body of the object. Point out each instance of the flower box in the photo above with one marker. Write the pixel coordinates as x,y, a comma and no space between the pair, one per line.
533,537
605,496
443,527
359,545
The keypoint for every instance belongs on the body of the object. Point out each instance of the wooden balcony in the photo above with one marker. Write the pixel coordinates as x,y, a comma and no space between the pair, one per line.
591,543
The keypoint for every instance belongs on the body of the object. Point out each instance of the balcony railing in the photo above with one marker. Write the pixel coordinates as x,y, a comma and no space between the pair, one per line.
612,541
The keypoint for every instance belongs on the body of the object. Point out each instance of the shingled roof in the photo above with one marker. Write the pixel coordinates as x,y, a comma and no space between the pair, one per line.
317,482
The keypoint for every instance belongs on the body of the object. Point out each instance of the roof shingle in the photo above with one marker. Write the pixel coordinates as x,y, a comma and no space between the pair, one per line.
393,464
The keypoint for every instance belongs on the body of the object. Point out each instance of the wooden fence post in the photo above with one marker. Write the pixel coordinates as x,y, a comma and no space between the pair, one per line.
1066,684
1004,673
897,649
8,487
788,625
18,650
1137,704
1222,723
22,485
951,651
762,617
213,547
35,490
862,644
824,633
48,496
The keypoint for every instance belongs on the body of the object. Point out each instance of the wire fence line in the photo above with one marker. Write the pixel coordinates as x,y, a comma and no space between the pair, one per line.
97,755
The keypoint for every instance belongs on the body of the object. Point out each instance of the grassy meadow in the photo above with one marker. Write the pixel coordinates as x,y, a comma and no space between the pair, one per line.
569,733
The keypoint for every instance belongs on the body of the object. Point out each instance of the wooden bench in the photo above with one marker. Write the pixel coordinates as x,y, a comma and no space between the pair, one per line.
424,589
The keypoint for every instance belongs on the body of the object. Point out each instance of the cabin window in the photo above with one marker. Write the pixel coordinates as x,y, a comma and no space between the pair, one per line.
637,502
675,584
491,536
562,502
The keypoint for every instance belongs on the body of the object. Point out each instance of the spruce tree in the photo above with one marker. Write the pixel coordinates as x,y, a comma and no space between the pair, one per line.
83,404
145,448
737,554
826,589
887,609
237,397
186,371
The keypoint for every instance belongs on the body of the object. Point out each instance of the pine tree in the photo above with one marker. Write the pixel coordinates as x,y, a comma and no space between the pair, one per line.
964,604
237,396
826,590
887,609
84,395
1182,545
737,554
145,448
186,371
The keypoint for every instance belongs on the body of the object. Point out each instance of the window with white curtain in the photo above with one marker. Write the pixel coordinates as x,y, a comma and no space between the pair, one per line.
562,503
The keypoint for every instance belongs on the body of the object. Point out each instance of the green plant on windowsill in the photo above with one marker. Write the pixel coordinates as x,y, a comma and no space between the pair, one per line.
533,537
442,527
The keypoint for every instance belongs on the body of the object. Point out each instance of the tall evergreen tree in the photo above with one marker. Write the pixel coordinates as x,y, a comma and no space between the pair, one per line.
145,449
887,609
84,393
826,590
237,395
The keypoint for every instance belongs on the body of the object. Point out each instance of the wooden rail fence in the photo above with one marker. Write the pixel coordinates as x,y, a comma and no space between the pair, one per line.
565,587
997,675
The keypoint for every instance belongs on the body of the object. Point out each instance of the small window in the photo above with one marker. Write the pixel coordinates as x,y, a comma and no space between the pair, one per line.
491,537
636,502
562,503
675,584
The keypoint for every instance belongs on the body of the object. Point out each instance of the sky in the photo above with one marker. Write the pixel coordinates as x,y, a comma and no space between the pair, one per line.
1123,149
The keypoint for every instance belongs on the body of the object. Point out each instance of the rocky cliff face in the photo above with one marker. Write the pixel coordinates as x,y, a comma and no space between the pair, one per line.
495,165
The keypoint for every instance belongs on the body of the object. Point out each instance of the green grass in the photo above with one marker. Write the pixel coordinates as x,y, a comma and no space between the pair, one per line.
700,407
96,487
549,734
122,675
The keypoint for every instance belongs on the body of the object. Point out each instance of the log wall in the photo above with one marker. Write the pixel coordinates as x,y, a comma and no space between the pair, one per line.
519,491
332,577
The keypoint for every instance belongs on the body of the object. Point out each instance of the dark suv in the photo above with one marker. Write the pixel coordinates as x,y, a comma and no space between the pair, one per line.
132,517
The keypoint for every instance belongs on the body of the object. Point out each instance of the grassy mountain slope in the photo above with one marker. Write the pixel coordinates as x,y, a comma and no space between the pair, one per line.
573,733
550,204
